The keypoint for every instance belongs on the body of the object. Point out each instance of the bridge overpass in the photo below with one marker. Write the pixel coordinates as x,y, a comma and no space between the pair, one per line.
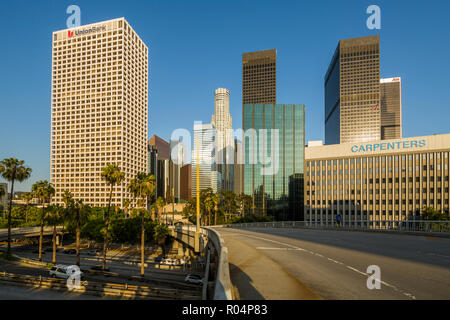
293,263
25,232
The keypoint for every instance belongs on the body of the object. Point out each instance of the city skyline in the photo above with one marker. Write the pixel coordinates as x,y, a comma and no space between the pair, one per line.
32,106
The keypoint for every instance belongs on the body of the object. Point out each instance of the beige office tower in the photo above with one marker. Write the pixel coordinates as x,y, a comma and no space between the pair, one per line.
223,123
391,108
99,109
352,92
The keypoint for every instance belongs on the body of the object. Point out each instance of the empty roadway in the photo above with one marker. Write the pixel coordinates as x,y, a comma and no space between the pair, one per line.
333,264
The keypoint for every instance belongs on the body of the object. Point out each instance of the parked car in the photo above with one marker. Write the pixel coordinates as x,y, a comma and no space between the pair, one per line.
70,251
63,272
99,268
193,279
91,252
159,259
170,262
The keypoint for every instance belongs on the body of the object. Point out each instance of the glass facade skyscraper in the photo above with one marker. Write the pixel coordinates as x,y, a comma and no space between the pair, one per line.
274,137
352,92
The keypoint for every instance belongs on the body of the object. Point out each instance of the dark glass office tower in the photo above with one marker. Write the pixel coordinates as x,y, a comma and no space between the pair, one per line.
278,193
391,108
352,92
259,77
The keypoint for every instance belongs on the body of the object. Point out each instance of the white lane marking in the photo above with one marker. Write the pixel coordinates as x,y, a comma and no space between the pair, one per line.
335,261
266,248
438,255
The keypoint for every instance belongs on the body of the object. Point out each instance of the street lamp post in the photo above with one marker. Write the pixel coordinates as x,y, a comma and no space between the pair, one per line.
197,232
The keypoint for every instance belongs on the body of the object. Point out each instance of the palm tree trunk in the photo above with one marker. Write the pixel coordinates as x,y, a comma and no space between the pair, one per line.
54,245
26,213
41,234
209,217
105,238
77,241
142,244
9,216
215,217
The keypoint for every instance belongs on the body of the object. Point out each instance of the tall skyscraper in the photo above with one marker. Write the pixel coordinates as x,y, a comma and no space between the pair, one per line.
209,177
223,123
259,77
352,92
159,154
275,192
99,109
238,167
391,108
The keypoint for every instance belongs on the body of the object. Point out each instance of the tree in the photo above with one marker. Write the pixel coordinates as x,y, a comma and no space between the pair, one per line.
113,176
44,191
143,187
160,203
13,170
229,202
216,200
160,233
78,213
209,205
2,194
245,203
27,197
126,206
153,209
53,217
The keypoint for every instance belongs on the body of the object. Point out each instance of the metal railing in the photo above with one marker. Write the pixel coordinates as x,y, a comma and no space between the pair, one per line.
422,226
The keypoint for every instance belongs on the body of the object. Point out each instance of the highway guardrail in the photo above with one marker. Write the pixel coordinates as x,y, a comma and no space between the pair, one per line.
97,288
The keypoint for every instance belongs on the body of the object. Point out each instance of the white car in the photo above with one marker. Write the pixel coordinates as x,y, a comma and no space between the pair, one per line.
194,279
63,272
169,261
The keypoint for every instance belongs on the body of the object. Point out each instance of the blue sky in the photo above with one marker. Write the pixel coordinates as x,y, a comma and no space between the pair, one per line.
196,46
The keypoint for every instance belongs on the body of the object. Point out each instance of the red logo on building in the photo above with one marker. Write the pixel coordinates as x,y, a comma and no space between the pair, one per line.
70,33
375,107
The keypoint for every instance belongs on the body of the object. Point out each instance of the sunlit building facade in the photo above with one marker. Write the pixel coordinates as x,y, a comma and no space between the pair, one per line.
378,181
99,109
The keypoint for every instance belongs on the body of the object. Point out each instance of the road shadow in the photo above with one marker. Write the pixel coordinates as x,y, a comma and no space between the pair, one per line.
242,286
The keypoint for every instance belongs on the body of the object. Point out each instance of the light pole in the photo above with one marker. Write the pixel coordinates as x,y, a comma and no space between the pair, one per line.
197,232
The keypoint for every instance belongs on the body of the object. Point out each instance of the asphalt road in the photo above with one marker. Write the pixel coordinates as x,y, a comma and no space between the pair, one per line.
333,264
156,278
20,293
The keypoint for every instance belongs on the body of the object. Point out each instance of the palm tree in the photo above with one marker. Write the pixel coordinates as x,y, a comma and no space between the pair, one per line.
153,209
209,205
112,175
160,203
67,199
27,197
2,193
143,187
216,200
53,217
11,170
126,206
245,201
78,213
44,191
